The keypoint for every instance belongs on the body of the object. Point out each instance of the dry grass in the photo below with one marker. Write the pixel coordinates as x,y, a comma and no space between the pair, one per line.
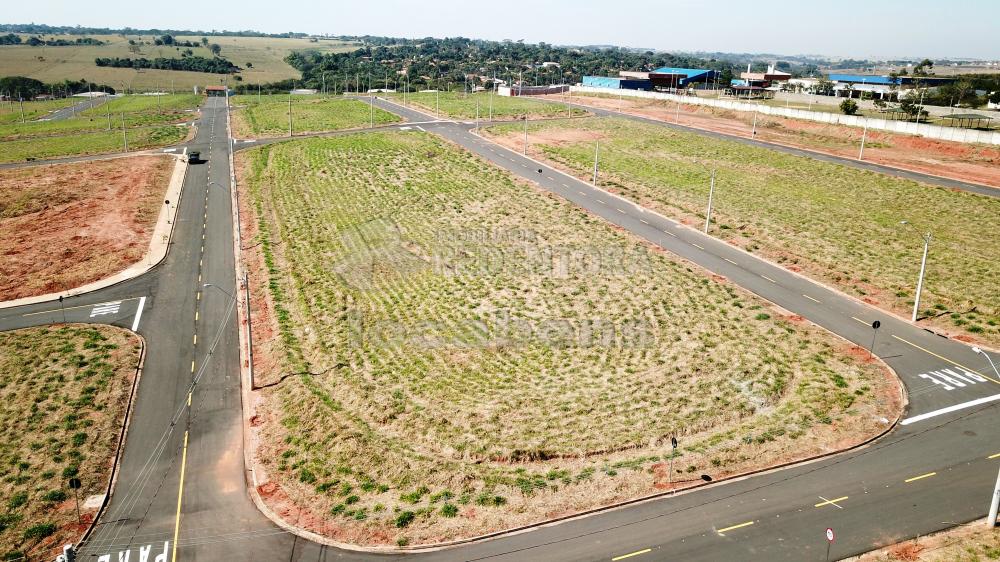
52,64
974,542
449,337
835,223
64,392
66,225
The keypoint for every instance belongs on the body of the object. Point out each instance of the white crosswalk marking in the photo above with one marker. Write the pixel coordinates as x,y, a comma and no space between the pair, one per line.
105,308
950,379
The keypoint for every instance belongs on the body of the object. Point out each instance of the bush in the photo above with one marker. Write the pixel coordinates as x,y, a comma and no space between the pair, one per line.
39,531
55,496
404,519
449,510
17,500
849,106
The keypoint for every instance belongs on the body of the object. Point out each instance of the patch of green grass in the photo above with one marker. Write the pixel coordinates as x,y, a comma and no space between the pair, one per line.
836,223
463,106
403,272
44,148
268,116
39,387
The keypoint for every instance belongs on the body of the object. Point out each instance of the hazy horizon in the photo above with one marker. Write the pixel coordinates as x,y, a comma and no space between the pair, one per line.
850,29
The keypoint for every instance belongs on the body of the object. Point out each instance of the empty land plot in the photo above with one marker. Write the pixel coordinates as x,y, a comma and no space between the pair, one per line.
62,226
10,111
265,54
463,106
447,352
961,161
90,142
130,112
835,223
65,391
267,116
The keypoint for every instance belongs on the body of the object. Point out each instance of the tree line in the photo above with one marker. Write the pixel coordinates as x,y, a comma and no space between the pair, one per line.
33,41
214,65
39,28
431,63
21,87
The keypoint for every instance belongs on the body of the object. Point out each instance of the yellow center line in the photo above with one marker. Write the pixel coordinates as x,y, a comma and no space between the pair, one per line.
196,339
180,494
922,476
810,298
831,502
631,554
943,358
994,456
192,366
741,525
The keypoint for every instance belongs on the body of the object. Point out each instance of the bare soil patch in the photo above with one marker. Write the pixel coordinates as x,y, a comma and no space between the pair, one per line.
959,161
967,543
66,225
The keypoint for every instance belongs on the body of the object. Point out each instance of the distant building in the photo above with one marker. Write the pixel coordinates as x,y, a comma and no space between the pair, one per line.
303,92
216,91
850,85
770,78
674,78
617,83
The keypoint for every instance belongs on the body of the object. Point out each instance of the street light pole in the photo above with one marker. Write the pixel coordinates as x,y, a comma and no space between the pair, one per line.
864,136
525,151
987,356
923,269
711,193
597,148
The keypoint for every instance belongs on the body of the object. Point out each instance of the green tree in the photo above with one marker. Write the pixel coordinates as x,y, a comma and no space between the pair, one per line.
21,86
849,106
215,48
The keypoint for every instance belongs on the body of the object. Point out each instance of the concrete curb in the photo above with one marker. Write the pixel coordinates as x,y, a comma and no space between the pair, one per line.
123,436
247,377
158,246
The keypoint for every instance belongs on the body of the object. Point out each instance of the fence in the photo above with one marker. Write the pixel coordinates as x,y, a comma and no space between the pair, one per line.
955,134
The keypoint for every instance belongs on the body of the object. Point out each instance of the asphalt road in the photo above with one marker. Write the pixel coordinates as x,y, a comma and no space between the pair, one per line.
924,476
71,111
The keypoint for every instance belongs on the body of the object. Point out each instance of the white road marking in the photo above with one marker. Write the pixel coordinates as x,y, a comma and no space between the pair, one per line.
697,246
949,409
105,308
730,261
810,298
138,314
643,221
405,128
421,128
768,278
950,379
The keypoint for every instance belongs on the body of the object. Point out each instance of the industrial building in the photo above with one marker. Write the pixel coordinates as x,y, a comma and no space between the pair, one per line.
884,87
666,78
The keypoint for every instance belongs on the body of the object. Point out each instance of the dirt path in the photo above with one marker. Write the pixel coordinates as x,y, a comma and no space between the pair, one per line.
65,225
959,161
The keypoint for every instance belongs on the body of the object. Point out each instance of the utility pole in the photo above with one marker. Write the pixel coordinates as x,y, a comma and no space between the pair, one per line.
289,114
864,136
753,133
991,521
477,115
677,117
493,89
525,135
597,150
437,97
920,280
371,102
20,103
711,193
124,133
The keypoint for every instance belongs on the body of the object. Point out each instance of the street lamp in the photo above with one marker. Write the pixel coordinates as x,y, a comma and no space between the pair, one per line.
923,267
987,356
225,292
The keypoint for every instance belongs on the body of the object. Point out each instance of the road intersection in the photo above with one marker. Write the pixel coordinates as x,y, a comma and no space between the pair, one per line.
182,480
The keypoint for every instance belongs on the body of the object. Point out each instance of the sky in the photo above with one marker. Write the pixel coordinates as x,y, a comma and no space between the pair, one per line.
842,28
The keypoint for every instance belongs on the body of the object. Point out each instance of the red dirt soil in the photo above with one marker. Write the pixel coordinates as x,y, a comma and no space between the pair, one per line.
66,225
960,161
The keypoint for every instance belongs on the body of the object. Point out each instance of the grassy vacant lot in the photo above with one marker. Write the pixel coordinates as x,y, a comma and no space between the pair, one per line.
65,391
268,115
65,225
836,223
10,111
50,64
454,352
463,106
42,148
150,121
973,542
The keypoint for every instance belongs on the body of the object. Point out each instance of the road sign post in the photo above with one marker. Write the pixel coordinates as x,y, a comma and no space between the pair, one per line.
875,326
829,541
63,308
670,467
74,484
